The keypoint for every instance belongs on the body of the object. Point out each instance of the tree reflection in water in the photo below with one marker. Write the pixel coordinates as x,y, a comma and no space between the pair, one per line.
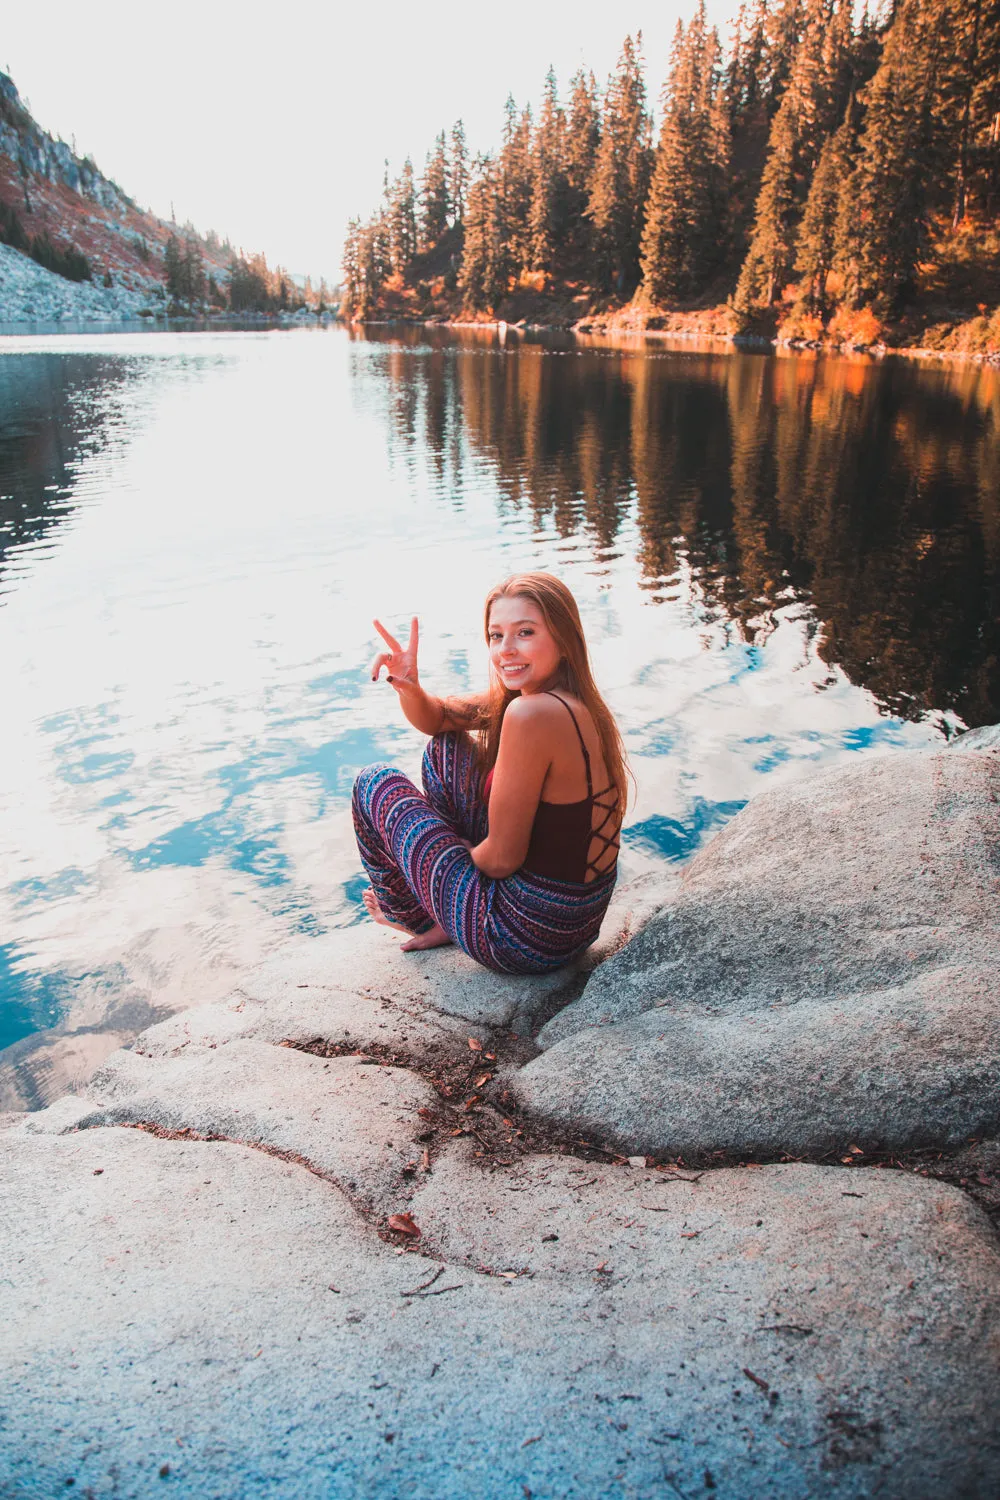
868,489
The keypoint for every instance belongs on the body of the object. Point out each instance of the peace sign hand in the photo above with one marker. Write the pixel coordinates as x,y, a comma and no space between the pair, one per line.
400,662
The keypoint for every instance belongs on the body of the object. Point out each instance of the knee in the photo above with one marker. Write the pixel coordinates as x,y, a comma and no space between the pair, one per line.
366,783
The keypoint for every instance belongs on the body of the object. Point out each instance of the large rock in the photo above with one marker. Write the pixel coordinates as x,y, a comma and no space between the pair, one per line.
205,1316
355,986
205,1285
826,973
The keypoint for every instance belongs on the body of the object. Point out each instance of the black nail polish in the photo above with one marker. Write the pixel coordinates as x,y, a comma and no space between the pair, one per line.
388,679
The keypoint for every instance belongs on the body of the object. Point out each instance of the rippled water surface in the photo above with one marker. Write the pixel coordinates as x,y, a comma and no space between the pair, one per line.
781,563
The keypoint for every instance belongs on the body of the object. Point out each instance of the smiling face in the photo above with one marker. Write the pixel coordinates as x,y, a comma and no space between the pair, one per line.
523,650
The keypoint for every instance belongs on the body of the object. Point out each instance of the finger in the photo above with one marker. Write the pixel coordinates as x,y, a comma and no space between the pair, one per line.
411,644
390,640
382,660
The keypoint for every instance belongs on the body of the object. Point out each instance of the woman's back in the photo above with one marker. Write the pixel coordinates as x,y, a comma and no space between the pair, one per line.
575,833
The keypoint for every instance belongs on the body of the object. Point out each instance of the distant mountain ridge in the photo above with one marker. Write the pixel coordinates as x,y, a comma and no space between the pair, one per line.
60,210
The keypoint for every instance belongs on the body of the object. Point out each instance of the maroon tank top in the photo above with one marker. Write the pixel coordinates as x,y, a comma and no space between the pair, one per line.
562,831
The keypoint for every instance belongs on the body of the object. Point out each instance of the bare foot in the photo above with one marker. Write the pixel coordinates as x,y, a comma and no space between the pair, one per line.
376,913
436,937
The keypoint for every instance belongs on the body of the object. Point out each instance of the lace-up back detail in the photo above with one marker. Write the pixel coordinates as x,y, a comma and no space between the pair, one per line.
576,841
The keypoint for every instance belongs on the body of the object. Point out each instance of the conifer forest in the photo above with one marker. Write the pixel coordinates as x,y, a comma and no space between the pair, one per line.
823,174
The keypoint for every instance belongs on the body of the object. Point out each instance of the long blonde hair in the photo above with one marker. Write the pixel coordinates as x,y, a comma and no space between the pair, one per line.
561,615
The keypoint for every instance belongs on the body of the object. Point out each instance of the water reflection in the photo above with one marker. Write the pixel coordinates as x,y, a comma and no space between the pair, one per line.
781,564
53,414
872,490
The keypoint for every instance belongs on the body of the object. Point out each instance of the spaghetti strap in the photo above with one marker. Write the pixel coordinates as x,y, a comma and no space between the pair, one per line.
579,735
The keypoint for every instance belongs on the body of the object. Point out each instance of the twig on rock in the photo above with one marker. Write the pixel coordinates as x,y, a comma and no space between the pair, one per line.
424,1284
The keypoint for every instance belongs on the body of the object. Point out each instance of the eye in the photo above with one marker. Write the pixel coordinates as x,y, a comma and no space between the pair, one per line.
527,631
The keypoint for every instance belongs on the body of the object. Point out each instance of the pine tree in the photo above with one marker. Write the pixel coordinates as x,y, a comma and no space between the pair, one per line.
172,267
783,25
192,274
621,174
746,73
810,108
401,219
683,239
458,172
967,106
816,243
882,215
352,268
583,136
550,187
516,184
434,197
486,264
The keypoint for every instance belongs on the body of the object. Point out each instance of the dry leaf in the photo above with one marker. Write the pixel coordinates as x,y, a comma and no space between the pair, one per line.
490,1056
425,1113
471,1103
481,1080
403,1224
475,1046
425,1160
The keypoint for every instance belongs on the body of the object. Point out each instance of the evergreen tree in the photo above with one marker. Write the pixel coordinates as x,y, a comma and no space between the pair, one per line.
516,184
583,136
435,202
458,172
486,262
810,107
550,187
683,237
816,244
882,216
621,173
783,24
401,219
192,274
746,75
352,268
967,106
172,267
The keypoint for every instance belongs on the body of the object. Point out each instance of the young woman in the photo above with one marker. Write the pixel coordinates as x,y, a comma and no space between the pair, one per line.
511,851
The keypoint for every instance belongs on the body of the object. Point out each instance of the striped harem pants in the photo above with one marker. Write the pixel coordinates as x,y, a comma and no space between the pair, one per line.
421,872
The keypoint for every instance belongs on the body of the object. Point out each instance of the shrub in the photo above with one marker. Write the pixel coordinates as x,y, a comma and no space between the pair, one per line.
858,328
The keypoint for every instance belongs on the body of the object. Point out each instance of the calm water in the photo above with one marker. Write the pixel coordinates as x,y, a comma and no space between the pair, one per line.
781,562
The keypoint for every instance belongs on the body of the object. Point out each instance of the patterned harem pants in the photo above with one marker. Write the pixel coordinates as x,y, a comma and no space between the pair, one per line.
421,872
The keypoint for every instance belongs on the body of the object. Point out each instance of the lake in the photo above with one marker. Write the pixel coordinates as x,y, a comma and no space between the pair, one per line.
782,561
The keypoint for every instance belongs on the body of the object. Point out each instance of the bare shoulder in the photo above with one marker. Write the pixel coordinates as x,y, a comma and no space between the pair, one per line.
537,709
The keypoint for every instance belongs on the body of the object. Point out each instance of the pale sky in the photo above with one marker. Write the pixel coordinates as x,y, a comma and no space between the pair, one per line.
271,125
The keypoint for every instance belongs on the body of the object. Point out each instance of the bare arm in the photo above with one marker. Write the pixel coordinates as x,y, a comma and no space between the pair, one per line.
523,761
428,714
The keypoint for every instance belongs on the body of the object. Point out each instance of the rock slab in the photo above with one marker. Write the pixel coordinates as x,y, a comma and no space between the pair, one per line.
826,974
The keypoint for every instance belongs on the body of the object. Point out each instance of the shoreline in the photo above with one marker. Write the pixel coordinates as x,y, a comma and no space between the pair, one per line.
747,342
11,328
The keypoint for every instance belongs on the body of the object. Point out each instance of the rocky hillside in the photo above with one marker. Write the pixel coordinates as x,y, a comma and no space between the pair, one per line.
74,245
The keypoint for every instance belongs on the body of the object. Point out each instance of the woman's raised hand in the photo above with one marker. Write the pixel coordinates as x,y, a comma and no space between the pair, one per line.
400,662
